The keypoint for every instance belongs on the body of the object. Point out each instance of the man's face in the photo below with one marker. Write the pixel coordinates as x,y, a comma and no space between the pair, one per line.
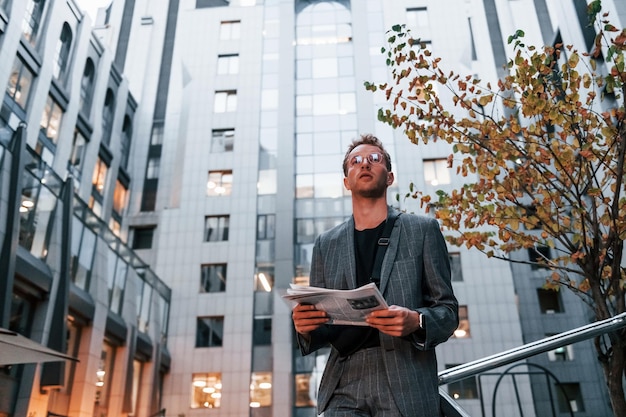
367,172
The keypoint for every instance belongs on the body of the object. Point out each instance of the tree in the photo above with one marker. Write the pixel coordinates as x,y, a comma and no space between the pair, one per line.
546,146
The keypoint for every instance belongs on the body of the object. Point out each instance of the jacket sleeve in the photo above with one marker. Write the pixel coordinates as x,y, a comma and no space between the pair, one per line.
319,338
440,317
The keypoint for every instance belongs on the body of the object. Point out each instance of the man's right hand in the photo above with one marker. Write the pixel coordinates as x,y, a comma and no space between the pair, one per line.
307,318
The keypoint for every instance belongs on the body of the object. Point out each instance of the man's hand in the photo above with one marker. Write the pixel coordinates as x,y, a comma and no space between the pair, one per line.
307,318
394,321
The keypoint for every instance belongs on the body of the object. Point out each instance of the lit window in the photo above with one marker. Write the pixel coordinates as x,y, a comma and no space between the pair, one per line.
219,183
463,331
436,172
103,378
225,101
209,331
20,81
216,228
230,30
213,278
51,120
120,195
264,279
228,64
464,389
561,354
206,390
305,386
223,140
99,176
260,389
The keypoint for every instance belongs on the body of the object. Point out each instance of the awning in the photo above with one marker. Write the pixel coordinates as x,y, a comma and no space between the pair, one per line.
15,348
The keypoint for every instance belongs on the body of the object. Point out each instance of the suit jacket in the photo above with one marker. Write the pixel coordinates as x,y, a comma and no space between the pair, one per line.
415,274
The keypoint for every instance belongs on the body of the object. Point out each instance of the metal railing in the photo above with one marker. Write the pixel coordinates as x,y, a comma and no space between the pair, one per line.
452,409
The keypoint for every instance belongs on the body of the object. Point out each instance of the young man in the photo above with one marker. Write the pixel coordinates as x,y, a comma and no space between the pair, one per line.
388,368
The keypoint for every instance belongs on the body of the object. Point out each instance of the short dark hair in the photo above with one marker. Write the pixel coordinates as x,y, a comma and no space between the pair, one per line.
366,139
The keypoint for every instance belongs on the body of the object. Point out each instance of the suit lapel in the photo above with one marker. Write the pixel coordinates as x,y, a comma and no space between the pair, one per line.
348,265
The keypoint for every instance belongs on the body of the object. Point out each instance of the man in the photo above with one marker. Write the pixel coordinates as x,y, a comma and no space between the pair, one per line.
388,368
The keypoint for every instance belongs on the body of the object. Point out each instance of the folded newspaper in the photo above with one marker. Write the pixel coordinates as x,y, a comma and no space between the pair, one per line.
342,306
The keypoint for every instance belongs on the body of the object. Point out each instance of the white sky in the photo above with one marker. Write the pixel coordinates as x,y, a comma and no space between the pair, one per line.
91,6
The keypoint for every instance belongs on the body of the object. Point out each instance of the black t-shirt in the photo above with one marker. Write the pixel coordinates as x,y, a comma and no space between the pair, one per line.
349,339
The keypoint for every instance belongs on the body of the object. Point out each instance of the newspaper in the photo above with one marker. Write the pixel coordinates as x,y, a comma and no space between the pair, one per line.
342,306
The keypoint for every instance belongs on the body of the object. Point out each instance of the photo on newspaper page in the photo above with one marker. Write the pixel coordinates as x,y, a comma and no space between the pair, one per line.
342,306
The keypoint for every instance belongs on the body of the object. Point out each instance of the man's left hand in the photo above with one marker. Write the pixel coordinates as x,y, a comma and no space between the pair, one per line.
394,321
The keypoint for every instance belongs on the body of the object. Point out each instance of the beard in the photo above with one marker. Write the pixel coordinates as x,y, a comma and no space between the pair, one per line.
375,190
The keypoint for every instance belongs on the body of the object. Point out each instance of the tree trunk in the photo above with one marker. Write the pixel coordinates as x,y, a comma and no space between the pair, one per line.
614,372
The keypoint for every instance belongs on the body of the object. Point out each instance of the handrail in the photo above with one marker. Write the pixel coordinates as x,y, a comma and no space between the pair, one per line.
488,363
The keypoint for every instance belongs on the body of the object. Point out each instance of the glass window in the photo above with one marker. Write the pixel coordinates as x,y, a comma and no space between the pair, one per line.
569,397
206,390
37,206
561,354
62,54
107,117
549,301
219,183
32,20
213,278
144,305
116,280
230,30
120,197
266,224
209,331
262,331
127,134
267,182
86,87
464,389
79,146
417,21
261,389
156,137
228,64
137,375
455,266
325,67
99,176
20,81
152,170
225,101
216,228
539,255
223,140
51,120
305,389
436,171
142,237
463,331
83,250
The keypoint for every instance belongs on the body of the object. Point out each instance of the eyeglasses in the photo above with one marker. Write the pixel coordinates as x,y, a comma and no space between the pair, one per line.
373,158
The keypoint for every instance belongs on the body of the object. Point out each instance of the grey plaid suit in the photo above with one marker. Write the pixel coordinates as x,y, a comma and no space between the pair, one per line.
415,274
